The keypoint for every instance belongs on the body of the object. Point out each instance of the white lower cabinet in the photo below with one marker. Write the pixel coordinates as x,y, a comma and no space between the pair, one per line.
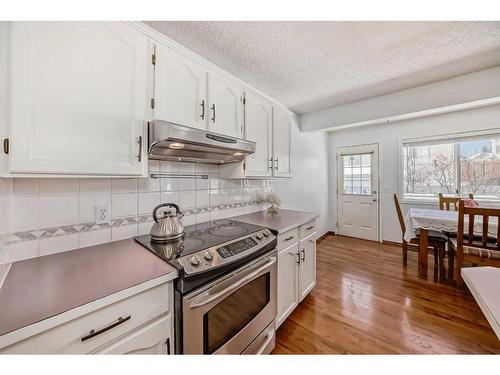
296,268
307,269
287,280
141,323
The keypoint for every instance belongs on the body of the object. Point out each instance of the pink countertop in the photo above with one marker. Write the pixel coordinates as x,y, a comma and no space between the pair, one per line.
39,288
281,222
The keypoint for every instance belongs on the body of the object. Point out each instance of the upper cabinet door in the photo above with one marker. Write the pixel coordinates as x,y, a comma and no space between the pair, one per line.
259,128
226,107
78,99
282,141
180,89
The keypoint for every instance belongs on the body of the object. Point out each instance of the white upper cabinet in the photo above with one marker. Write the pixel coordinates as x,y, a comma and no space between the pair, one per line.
78,98
180,89
225,106
282,140
259,128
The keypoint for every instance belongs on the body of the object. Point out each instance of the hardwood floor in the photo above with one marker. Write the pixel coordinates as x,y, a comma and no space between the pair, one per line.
366,302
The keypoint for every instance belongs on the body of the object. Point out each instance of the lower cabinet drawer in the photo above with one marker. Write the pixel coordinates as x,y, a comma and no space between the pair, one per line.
306,229
287,239
154,338
98,328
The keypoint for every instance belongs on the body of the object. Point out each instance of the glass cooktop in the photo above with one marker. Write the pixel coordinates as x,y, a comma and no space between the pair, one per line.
199,237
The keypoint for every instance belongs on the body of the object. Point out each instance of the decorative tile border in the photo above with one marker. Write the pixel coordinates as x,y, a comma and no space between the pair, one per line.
62,230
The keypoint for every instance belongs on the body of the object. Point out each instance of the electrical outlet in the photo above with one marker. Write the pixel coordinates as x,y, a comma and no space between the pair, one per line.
102,214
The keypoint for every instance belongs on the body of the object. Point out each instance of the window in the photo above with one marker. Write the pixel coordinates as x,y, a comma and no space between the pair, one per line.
357,174
459,165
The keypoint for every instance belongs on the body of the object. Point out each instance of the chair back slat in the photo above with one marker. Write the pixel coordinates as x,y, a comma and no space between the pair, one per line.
400,214
485,231
470,233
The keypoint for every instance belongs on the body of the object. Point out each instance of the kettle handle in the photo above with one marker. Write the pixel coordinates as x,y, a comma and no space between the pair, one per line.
155,211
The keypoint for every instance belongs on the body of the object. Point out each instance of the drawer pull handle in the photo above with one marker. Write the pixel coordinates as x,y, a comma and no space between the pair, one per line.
289,238
94,333
309,228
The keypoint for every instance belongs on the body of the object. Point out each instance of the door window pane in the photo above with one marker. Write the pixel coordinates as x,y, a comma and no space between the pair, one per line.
480,168
357,174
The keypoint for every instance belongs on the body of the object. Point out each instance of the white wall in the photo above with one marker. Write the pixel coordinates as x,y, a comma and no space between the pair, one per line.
308,189
50,215
463,89
388,137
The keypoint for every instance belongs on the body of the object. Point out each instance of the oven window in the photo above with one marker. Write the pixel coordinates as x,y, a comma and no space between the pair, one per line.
233,313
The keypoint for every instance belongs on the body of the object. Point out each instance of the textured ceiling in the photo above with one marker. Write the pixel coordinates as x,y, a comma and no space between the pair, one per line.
314,65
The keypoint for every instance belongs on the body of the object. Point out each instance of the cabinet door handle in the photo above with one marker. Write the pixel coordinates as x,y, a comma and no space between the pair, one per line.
202,105
298,257
303,251
139,157
167,343
276,161
289,238
94,333
213,112
271,164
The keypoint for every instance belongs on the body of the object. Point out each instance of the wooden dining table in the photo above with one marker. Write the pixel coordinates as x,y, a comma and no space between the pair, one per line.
437,220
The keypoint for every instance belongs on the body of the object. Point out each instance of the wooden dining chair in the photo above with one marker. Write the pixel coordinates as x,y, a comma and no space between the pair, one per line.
436,241
473,248
446,203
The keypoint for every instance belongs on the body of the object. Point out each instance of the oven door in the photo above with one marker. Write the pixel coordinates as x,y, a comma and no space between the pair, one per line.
227,315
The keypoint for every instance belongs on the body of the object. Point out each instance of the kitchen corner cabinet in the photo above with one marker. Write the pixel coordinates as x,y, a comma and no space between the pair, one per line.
271,129
226,101
180,87
282,144
259,129
79,98
296,268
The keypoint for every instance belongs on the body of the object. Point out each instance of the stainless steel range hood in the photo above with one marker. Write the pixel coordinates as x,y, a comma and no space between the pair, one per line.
173,142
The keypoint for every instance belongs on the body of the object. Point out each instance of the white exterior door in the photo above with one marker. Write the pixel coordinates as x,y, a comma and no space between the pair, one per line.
282,140
180,89
259,128
226,107
307,269
357,192
288,269
78,98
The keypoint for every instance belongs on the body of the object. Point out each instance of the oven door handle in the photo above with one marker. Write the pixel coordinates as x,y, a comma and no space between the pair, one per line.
234,286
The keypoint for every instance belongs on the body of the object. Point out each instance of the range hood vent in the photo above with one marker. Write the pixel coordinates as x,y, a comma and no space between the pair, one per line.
174,142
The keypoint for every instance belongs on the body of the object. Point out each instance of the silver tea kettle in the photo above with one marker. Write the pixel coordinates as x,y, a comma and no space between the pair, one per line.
168,227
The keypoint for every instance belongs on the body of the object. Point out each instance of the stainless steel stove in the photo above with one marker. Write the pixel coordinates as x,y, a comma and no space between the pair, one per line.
225,295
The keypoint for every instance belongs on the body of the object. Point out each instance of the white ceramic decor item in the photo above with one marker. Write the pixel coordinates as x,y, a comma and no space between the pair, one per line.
274,199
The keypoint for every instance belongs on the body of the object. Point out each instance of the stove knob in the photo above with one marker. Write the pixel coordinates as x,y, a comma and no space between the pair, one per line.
208,255
195,260
259,236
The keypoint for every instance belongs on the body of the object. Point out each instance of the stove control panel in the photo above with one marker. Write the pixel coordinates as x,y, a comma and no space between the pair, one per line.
225,253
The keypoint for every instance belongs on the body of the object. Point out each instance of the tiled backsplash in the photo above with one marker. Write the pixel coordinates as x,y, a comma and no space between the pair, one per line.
47,215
